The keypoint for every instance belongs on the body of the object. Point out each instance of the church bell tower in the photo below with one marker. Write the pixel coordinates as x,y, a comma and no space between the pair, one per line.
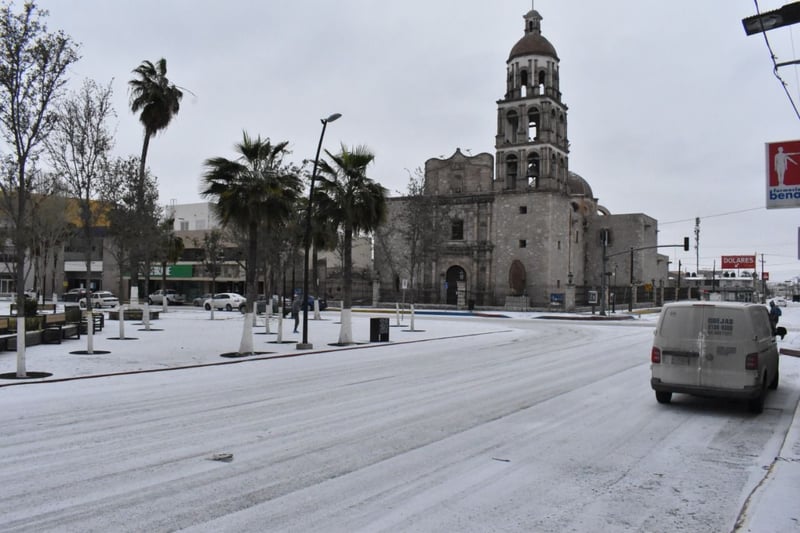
531,142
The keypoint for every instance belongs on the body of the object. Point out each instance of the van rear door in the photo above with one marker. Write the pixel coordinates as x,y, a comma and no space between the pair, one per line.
727,335
680,338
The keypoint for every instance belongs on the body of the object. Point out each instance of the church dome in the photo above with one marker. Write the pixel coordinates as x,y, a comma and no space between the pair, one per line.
577,186
533,43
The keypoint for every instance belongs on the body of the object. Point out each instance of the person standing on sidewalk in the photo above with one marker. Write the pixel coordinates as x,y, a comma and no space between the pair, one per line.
296,312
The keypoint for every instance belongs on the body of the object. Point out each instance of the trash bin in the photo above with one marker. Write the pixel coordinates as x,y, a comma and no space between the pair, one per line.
471,305
378,330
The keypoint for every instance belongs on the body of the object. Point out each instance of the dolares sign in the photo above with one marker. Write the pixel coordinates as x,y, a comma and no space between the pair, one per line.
783,174
738,261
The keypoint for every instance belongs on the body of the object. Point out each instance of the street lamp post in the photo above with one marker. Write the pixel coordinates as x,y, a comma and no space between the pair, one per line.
305,345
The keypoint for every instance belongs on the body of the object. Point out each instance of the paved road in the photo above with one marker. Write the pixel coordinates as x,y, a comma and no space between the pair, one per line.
540,427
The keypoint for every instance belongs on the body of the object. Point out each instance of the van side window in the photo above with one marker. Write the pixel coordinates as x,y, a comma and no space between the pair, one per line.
762,327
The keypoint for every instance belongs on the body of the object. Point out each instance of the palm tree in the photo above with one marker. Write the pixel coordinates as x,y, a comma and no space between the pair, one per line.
354,203
159,101
256,191
157,98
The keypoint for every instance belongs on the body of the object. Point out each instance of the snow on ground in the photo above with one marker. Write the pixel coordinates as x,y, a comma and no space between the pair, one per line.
412,457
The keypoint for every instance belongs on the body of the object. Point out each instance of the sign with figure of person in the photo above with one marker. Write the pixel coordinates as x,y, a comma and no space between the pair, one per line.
783,174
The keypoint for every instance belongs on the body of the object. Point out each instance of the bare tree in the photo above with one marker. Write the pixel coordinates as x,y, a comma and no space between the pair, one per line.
130,228
33,68
79,148
51,228
408,243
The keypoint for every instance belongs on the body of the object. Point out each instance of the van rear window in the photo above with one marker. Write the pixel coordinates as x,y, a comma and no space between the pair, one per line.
689,322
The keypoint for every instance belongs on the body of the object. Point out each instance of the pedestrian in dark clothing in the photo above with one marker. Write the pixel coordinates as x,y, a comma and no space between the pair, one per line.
774,314
296,312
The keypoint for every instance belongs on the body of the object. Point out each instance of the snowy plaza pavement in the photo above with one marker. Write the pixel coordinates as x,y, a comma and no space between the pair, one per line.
186,336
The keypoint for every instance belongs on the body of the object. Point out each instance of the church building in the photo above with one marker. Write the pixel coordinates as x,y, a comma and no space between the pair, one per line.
518,229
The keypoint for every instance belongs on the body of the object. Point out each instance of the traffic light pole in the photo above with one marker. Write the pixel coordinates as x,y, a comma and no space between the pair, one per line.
606,256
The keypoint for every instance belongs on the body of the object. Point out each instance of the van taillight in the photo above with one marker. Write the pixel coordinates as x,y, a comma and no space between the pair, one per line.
655,355
751,361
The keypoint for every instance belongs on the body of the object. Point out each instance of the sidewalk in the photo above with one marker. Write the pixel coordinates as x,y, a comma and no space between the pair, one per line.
172,341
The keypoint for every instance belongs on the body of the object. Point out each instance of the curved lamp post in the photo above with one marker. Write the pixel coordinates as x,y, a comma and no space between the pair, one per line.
305,345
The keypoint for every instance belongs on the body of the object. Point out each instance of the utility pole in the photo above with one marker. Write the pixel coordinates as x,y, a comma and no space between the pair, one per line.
697,244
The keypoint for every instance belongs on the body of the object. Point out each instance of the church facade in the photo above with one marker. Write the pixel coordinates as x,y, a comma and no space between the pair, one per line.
517,228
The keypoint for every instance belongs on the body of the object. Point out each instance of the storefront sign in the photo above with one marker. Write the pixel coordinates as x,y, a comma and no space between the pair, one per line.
738,261
783,174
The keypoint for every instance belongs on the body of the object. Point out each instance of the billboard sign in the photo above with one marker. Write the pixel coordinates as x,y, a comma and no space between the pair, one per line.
783,174
738,261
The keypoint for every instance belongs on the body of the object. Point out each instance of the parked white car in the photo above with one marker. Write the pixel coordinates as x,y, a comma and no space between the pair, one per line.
102,299
173,298
717,349
227,301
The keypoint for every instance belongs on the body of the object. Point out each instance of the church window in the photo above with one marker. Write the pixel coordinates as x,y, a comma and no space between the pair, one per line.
523,243
533,170
457,184
511,171
513,126
523,83
542,76
533,124
523,209
457,230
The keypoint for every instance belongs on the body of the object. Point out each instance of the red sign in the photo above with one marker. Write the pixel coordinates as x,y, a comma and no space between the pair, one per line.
738,261
783,174
765,276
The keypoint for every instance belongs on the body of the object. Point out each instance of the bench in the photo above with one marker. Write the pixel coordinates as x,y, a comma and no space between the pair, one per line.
56,328
41,308
4,334
98,321
78,317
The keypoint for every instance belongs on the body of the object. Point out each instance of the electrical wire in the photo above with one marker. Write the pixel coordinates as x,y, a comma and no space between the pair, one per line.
775,63
711,216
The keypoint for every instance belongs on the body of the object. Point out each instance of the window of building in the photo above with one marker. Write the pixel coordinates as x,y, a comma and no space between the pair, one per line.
511,171
523,209
513,126
457,230
523,243
184,225
533,124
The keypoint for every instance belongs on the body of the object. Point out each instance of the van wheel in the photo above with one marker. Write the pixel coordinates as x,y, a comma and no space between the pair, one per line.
228,307
774,384
756,405
208,307
663,397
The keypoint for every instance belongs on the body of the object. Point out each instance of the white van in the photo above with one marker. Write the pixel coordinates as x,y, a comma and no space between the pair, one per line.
720,349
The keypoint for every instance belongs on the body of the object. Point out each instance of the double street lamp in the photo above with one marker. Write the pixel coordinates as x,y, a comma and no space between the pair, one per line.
305,345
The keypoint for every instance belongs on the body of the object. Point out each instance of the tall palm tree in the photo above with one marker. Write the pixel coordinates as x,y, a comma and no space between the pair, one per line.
354,203
257,190
158,101
157,98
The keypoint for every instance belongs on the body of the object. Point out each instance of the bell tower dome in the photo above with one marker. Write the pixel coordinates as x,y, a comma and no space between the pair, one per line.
531,142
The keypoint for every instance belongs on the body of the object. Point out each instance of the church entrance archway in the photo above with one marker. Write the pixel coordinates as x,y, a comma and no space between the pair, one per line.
516,278
456,279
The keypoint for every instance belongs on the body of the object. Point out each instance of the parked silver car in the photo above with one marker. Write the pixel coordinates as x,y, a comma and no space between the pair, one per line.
173,298
227,301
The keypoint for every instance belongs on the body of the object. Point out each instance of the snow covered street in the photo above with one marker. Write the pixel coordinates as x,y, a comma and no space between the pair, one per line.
467,424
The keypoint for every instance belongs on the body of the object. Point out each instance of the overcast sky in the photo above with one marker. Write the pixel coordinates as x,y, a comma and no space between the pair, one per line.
670,103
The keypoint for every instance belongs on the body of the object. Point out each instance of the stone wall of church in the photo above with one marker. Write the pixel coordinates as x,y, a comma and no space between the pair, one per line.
534,229
635,230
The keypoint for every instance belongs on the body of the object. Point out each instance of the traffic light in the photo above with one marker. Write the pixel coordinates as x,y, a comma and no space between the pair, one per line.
686,244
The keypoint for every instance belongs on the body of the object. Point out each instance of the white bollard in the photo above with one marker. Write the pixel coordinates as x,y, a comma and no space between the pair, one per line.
121,310
411,328
397,312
